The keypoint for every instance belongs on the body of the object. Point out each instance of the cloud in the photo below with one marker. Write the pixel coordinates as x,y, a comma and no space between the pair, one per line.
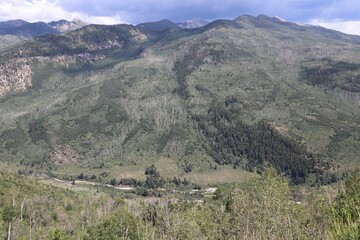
350,27
48,10
29,10
339,14
149,10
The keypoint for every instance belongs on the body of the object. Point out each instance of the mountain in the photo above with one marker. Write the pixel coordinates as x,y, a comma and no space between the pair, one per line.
65,26
159,26
223,100
165,24
15,31
7,40
20,27
193,23
33,29
12,24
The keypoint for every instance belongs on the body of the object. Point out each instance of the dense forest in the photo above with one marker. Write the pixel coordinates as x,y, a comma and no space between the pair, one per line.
231,141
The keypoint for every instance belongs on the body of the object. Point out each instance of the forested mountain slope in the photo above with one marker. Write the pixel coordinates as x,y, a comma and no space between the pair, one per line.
242,93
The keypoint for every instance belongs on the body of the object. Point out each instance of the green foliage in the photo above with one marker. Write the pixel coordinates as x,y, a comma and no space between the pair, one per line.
9,213
58,235
153,178
150,170
231,140
177,132
13,138
266,211
116,114
194,58
38,131
130,182
346,210
50,212
330,74
120,225
262,209
113,181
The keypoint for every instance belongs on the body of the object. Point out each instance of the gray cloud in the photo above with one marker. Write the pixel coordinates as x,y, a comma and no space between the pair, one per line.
342,15
141,10
149,10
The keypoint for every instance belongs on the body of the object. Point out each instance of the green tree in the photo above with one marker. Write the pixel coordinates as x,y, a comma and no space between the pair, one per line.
113,181
58,235
120,225
346,210
266,210
9,213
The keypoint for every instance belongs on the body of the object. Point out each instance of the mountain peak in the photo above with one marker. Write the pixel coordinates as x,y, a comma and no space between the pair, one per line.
159,26
79,22
65,26
13,23
263,16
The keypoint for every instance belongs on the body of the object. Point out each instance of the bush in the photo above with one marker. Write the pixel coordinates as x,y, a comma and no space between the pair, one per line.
346,210
120,225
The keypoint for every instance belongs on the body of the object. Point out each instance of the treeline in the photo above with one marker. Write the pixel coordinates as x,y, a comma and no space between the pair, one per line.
195,56
231,141
333,74
153,181
184,67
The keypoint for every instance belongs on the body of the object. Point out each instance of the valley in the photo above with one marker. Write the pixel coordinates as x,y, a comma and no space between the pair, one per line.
251,108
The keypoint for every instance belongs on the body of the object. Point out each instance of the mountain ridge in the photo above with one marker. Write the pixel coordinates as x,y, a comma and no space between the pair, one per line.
15,31
194,23
27,28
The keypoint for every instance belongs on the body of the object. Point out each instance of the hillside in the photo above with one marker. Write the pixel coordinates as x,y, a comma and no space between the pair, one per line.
264,208
34,210
219,100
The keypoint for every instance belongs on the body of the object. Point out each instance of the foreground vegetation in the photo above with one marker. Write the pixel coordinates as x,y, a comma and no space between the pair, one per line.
266,208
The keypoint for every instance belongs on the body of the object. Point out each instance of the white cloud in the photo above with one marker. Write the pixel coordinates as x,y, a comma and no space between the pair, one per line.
47,10
350,27
107,20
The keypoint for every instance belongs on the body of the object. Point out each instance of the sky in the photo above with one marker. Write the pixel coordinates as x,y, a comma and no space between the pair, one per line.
341,15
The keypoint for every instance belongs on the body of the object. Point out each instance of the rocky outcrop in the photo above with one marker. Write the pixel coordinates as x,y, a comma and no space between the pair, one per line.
16,74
